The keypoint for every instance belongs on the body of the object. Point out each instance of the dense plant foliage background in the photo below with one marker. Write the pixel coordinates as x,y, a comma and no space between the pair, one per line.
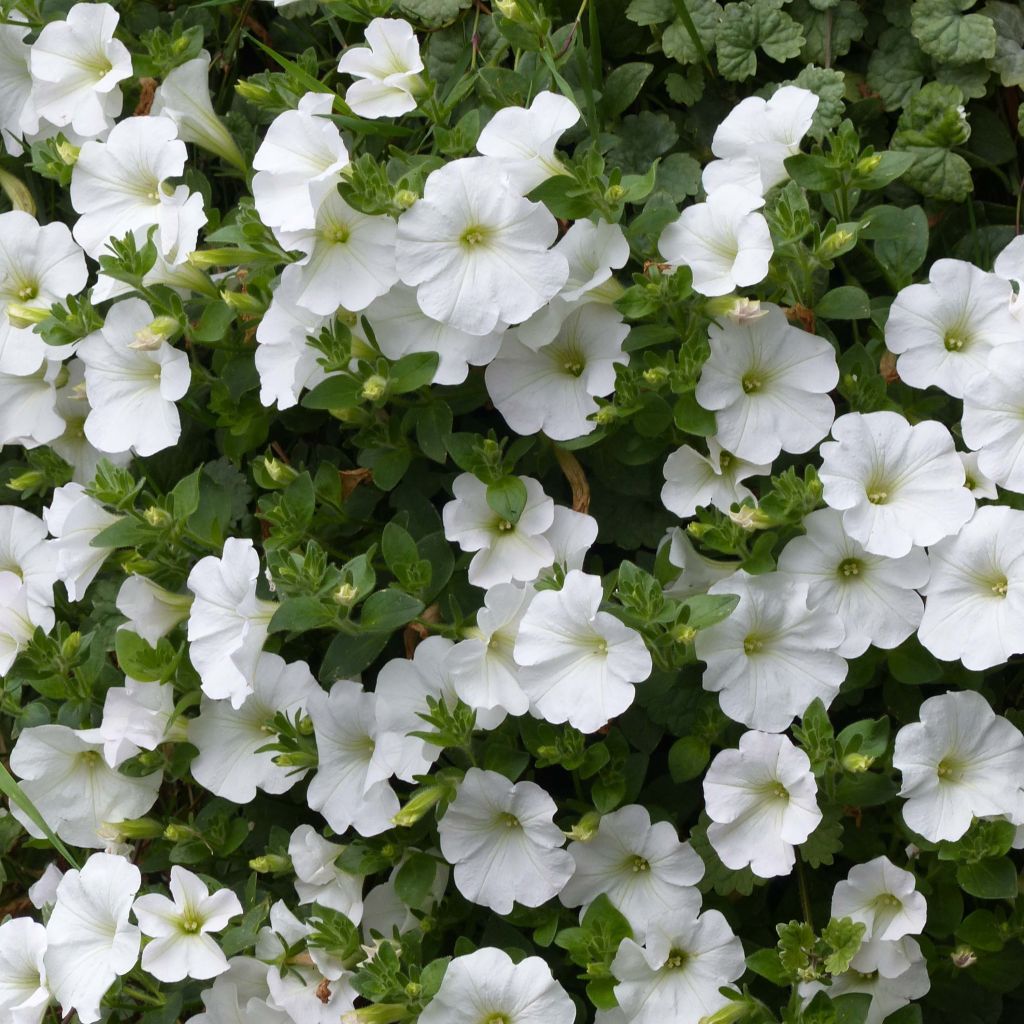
912,156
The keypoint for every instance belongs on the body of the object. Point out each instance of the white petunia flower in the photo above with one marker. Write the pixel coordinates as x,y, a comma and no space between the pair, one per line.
959,762
724,241
298,164
239,996
593,251
762,802
977,483
552,389
975,606
180,928
884,898
767,130
992,423
642,868
28,406
387,70
503,843
698,573
477,251
317,877
75,520
231,763
482,667
675,976
16,625
580,665
694,480
384,912
767,383
77,66
773,655
25,552
43,892
131,389
874,597
571,535
487,986
227,624
89,939
523,139
1009,265
18,115
944,330
137,716
505,551
24,995
39,266
897,485
738,172
349,261
152,612
184,97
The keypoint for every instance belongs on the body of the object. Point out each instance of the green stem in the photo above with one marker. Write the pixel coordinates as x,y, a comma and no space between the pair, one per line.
805,897
691,30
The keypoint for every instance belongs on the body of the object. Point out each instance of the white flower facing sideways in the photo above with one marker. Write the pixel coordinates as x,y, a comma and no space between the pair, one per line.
961,761
77,66
28,413
75,520
724,241
227,624
90,941
579,664
132,385
505,551
18,115
503,843
16,620
477,252
318,879
523,139
694,480
387,70
992,423
975,597
896,485
137,716
24,995
643,869
762,802
884,898
552,389
151,611
767,383
24,551
180,928
675,976
874,597
773,655
486,987
943,331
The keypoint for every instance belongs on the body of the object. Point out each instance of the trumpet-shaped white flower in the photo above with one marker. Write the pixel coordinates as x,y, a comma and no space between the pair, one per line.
959,762
28,406
240,996
593,250
897,485
769,131
231,763
739,172
131,389
767,383
503,843
317,877
227,624
505,551
675,976
580,665
298,164
137,716
152,612
118,187
43,892
762,802
992,424
75,520
487,986
884,898
483,670
77,66
401,327
64,774
699,573
180,928
89,939
874,597
552,388
387,70
977,483
975,606
724,241
350,258
18,115
773,655
16,625
944,330
523,139
477,251
39,265
184,97
642,868
571,535
25,552
693,480
24,995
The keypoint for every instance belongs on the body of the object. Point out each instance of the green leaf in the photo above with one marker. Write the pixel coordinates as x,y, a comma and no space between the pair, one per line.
415,878
433,425
708,609
298,614
507,498
341,391
901,240
828,35
888,168
852,1007
347,656
185,495
138,660
897,68
650,12
824,842
10,788
397,546
994,878
411,372
844,303
679,176
749,26
434,13
622,86
1009,56
948,35
814,172
677,41
688,757
767,964
387,610
844,936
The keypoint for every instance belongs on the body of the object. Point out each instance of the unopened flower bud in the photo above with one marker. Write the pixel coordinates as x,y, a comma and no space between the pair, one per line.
605,415
586,828
835,244
963,956
374,388
243,302
733,1011
279,472
68,153
158,517
271,863
405,198
346,594
176,833
656,375
379,1013
857,763
141,828
509,9
419,804
866,164
27,481
17,192
684,635
614,194
252,92
153,335
747,517
21,315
